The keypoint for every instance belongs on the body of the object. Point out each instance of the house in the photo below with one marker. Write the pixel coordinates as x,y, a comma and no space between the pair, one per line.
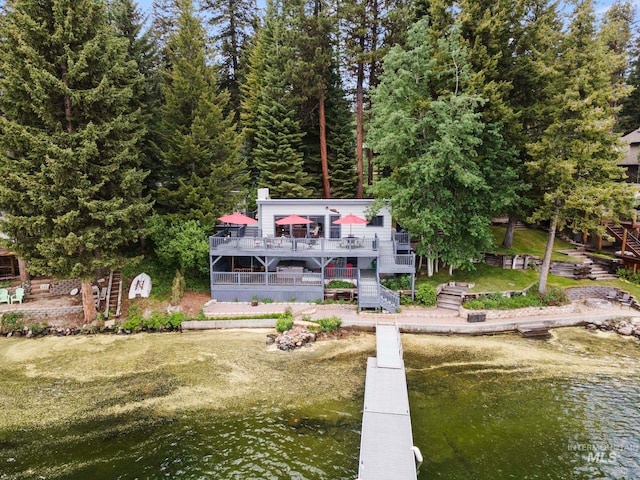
9,266
630,162
294,262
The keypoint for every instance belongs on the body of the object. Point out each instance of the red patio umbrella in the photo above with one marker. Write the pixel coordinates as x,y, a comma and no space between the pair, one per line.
350,219
293,220
238,219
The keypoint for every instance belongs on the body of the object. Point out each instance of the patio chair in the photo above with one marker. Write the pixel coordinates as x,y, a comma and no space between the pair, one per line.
626,300
611,295
4,296
18,296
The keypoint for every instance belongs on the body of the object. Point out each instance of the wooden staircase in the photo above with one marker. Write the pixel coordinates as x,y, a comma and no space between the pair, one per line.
451,297
630,243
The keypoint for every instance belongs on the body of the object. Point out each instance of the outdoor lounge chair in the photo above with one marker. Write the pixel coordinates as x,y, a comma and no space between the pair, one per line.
611,295
4,296
626,300
18,296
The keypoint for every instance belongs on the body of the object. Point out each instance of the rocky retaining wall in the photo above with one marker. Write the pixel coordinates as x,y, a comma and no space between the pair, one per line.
49,313
63,287
521,312
590,291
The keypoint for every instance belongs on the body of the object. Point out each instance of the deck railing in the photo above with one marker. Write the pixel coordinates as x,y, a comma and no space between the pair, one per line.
259,278
405,259
292,244
391,298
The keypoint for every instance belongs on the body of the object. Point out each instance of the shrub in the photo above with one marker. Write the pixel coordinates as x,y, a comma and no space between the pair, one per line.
11,322
38,328
330,324
554,297
426,295
340,284
284,322
628,275
403,282
495,301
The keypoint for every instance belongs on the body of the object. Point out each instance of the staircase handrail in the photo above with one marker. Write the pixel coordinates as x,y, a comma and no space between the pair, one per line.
389,296
636,252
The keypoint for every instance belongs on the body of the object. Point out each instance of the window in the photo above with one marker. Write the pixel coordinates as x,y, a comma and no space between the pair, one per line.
377,221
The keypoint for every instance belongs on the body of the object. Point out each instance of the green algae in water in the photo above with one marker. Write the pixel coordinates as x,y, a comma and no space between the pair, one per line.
502,408
221,405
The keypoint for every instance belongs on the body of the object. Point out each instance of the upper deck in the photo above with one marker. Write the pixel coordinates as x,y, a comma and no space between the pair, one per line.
299,247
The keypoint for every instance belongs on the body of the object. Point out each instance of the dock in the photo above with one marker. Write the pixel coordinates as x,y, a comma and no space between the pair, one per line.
386,443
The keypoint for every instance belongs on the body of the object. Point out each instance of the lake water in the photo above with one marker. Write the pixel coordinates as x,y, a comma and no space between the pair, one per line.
222,405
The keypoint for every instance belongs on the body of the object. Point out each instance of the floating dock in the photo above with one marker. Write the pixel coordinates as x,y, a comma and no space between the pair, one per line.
386,444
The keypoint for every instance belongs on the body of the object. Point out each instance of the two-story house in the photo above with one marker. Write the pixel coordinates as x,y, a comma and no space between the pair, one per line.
294,262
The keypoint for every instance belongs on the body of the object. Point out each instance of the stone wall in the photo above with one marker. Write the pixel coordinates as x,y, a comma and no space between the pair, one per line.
590,291
521,312
50,313
63,287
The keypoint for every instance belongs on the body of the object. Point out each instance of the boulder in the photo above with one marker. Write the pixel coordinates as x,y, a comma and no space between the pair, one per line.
625,329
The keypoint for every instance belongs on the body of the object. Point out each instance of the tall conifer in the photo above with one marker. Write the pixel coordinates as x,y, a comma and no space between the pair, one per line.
203,177
70,169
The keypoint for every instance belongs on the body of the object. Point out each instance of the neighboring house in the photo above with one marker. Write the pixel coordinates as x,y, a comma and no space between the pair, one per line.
8,261
630,162
294,262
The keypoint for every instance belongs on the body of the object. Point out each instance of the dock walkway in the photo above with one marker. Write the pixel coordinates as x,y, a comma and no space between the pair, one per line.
386,443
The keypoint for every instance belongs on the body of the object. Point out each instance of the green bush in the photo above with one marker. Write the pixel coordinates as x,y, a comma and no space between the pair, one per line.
330,324
554,297
11,322
38,328
426,295
628,275
402,282
284,322
340,284
495,301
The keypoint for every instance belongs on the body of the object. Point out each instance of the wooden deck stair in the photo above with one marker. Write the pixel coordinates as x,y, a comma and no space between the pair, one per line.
632,244
451,297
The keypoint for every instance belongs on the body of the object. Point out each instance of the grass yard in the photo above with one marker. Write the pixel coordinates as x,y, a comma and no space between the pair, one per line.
488,278
530,242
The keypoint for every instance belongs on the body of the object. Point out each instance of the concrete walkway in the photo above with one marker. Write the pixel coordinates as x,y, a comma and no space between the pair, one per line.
410,319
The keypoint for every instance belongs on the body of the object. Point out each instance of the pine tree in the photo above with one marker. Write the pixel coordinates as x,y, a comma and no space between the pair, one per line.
71,176
576,156
129,23
232,22
272,127
340,139
202,175
436,186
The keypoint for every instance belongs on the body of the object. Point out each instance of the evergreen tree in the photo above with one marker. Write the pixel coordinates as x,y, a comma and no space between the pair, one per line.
436,185
232,22
340,139
71,176
270,115
278,153
129,23
575,159
202,175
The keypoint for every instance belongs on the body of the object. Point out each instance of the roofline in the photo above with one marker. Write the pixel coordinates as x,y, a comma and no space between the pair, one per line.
318,201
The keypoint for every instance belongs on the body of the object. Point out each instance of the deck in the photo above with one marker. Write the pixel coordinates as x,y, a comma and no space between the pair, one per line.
386,442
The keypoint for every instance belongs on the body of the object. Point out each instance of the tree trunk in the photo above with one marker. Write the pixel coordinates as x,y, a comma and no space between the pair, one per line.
323,149
546,262
22,270
88,305
508,235
360,128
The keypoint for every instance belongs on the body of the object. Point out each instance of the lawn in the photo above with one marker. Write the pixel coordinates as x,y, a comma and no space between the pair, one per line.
488,278
530,242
